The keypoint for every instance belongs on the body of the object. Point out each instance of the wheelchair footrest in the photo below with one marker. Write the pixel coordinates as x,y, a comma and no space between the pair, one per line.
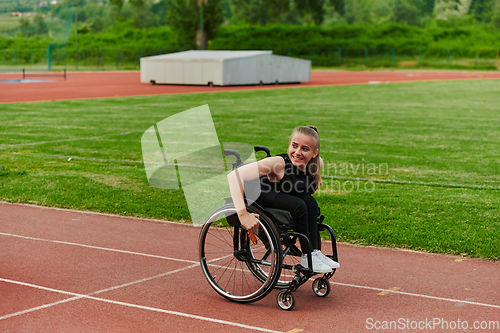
299,279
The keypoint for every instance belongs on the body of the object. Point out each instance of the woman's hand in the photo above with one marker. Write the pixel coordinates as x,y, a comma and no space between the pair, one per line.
249,222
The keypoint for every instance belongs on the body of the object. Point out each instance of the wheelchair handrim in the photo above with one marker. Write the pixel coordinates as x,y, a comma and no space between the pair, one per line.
246,298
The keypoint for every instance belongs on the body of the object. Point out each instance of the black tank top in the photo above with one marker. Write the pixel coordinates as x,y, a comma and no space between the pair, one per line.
294,182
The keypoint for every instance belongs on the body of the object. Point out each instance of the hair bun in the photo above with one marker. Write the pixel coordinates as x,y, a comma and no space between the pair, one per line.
314,128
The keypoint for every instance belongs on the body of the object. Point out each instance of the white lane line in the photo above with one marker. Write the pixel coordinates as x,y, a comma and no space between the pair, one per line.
63,140
418,295
94,293
19,313
98,248
142,307
95,213
197,263
65,157
409,182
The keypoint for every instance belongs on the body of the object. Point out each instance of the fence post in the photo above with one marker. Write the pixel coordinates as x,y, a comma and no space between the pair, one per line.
340,56
97,57
116,58
49,57
83,57
498,61
393,57
121,53
366,57
419,57
477,59
102,59
31,57
314,56
140,55
15,57
448,57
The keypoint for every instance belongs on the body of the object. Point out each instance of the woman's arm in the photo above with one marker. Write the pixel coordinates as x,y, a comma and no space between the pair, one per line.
272,166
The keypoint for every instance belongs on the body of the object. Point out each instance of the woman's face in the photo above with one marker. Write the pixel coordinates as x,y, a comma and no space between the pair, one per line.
301,150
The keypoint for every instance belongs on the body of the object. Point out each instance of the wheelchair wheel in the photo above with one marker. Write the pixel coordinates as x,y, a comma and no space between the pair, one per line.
321,287
286,276
236,268
285,300
290,259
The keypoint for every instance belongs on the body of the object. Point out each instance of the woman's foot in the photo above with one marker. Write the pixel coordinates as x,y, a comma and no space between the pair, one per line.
319,266
331,263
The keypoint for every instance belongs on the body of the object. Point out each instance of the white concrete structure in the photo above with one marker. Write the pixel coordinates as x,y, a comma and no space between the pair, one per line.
224,68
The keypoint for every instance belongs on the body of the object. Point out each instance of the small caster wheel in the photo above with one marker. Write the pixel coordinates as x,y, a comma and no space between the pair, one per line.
285,300
321,287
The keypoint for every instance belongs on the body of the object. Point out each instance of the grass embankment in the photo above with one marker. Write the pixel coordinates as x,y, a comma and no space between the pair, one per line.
413,165
8,22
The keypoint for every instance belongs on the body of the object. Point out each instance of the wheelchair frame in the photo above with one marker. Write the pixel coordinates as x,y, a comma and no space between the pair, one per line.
242,270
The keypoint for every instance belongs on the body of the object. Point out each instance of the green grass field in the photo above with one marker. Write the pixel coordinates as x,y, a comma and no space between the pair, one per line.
411,165
8,22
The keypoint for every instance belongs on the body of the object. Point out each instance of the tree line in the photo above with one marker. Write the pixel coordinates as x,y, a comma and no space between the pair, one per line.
195,22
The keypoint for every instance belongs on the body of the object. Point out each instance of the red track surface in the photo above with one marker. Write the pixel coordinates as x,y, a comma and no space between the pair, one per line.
114,84
82,272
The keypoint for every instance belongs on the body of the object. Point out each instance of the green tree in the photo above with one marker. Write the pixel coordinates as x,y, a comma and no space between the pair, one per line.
339,6
426,7
184,18
142,14
41,27
315,8
249,11
26,28
277,11
411,12
359,11
496,14
405,12
482,10
160,8
117,3
443,9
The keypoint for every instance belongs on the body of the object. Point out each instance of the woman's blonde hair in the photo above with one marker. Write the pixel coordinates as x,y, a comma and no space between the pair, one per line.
314,165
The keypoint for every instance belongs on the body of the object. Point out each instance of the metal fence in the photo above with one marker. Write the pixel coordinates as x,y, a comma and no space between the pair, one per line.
119,59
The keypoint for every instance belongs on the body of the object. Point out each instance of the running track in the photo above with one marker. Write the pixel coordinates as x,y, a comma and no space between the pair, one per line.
120,84
68,271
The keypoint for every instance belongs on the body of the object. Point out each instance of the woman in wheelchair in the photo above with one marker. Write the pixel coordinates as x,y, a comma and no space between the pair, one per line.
288,182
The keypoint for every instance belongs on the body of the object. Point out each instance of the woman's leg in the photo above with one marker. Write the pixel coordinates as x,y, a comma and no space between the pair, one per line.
296,206
312,219
302,214
313,212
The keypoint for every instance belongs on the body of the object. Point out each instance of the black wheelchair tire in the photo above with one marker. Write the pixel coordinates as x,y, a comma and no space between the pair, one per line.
229,276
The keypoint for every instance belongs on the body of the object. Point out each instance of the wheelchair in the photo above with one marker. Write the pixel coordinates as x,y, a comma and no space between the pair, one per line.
245,268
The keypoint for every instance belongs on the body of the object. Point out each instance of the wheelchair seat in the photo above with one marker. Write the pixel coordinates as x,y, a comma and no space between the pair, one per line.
282,218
